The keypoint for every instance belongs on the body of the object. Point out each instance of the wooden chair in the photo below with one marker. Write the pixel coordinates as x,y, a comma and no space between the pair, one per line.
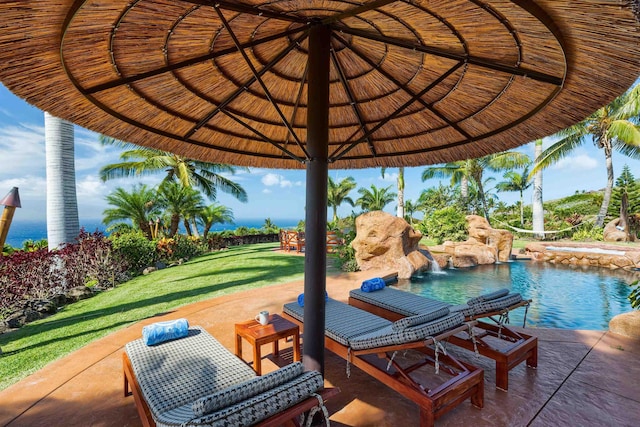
333,241
515,347
177,382
357,336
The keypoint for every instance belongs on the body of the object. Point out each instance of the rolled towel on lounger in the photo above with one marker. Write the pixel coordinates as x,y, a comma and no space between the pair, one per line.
301,298
159,332
372,285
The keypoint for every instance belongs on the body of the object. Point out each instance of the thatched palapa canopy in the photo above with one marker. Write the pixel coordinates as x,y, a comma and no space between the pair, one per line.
320,83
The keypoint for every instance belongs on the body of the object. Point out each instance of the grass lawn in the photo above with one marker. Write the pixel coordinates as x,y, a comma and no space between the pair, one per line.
240,268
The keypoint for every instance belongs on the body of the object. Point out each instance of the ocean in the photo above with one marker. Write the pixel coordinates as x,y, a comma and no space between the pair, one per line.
37,230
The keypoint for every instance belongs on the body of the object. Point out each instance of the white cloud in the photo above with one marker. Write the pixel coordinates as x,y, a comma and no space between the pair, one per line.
28,186
90,187
21,149
389,177
581,162
273,179
266,191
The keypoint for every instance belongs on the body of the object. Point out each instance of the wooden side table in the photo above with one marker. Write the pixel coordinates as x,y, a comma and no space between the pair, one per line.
257,335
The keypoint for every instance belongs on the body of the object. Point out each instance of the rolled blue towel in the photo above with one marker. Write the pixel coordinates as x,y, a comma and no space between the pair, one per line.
301,298
159,332
372,285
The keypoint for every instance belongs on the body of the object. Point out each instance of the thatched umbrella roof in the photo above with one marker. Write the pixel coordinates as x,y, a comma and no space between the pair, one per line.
411,82
319,83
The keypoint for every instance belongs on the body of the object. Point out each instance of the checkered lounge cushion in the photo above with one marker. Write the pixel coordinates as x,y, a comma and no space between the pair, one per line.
342,321
176,373
401,302
407,322
465,309
387,336
496,304
232,395
361,330
488,297
251,410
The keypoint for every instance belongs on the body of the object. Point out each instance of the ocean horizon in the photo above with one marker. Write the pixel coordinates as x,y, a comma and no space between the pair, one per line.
21,231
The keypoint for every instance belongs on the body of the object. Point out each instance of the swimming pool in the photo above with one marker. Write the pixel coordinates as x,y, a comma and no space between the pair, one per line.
563,297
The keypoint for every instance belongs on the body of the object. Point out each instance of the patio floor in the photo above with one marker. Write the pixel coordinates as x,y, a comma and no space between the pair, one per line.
584,378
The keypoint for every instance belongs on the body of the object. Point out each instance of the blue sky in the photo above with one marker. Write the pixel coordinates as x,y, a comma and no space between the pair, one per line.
273,193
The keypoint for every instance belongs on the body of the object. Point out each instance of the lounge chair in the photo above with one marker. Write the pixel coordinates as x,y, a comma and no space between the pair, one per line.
195,381
371,343
512,348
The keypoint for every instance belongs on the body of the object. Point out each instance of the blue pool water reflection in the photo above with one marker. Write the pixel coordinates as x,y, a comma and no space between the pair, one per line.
563,297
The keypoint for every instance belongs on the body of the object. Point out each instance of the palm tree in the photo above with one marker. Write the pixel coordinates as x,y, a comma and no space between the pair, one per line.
338,193
401,205
497,162
515,181
63,225
612,127
137,206
180,202
473,170
214,214
411,208
375,199
459,174
537,205
435,198
190,173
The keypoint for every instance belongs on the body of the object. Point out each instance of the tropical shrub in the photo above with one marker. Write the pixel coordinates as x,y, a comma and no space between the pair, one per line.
92,259
588,231
40,274
634,296
136,250
187,247
345,253
445,224
28,275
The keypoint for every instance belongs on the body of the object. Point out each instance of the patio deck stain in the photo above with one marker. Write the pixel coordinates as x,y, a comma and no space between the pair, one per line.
586,378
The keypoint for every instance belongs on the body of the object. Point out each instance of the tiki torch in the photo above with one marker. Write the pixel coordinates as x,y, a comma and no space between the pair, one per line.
11,201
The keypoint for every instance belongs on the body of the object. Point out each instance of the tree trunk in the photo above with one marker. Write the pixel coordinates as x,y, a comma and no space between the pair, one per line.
62,205
173,228
538,206
401,193
464,192
609,188
624,216
195,228
146,229
521,210
187,226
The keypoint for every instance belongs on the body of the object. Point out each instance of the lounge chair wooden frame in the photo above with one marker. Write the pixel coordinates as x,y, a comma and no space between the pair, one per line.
285,418
524,347
467,381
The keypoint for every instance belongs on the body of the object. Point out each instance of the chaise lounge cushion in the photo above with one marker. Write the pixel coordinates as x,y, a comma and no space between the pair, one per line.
488,297
402,324
361,330
496,304
232,395
175,374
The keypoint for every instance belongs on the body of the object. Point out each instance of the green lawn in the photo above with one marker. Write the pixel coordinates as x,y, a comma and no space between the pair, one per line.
246,267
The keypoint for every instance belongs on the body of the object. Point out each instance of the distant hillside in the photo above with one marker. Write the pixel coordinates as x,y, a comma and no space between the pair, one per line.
587,203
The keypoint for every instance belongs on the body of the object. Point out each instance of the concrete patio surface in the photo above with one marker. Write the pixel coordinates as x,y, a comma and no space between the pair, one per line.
584,378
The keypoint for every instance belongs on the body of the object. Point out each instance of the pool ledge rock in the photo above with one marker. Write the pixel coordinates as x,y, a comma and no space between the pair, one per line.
591,254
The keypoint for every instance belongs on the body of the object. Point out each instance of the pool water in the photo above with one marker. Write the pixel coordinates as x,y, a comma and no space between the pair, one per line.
563,297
